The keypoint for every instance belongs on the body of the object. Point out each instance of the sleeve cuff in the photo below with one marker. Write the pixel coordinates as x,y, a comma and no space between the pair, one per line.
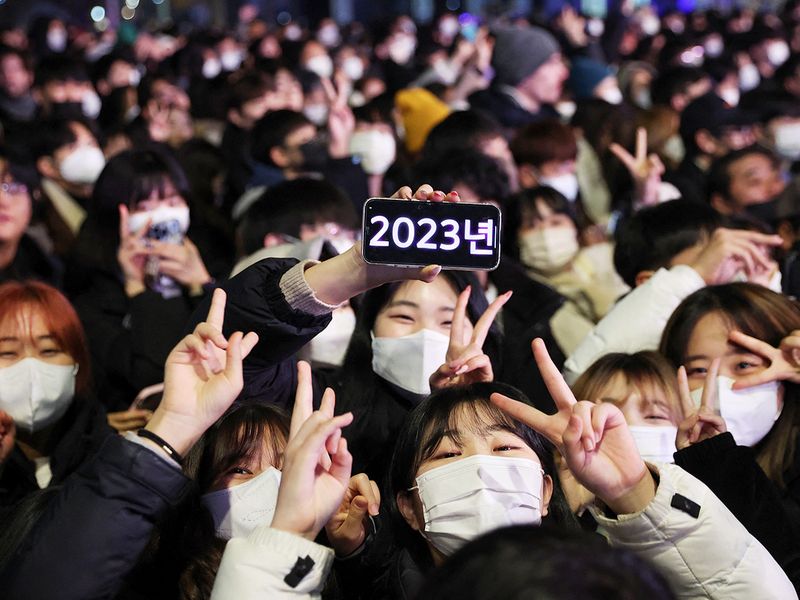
299,295
132,437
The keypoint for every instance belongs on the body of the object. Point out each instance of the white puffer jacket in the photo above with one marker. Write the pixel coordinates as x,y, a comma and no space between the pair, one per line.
637,321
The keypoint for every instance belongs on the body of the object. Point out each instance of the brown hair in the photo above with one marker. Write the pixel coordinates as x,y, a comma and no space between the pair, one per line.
641,370
760,313
17,297
544,141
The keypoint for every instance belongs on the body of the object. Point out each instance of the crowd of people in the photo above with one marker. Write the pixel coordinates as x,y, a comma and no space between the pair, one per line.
207,392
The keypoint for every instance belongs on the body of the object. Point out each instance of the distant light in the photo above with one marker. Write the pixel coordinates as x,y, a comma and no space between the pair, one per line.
127,13
284,18
132,4
453,4
98,13
158,1
2,2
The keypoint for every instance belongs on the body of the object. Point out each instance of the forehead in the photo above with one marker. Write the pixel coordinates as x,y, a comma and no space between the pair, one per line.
433,295
752,163
710,336
25,321
620,388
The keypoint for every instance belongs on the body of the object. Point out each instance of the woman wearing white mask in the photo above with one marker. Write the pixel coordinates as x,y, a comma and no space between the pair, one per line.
402,336
134,274
472,459
541,231
750,331
49,421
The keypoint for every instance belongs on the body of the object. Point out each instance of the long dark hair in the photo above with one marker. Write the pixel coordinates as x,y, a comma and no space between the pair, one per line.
431,420
761,313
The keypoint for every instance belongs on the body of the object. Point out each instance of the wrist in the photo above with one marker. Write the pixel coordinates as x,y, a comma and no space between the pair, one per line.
281,523
178,431
636,498
134,287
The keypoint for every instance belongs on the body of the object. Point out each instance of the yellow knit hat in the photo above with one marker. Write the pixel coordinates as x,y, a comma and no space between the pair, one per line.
420,111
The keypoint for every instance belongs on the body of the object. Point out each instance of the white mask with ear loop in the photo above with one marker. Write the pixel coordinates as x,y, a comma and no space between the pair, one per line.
35,393
478,494
409,361
656,443
330,345
550,249
749,413
565,184
82,165
238,510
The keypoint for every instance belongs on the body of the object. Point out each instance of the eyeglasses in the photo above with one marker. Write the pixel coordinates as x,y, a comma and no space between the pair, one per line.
13,188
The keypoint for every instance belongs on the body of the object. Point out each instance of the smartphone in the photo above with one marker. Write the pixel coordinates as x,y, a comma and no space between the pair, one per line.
469,26
169,232
455,235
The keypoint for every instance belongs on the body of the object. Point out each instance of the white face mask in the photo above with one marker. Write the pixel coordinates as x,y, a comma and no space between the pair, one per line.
472,496
674,148
173,219
448,27
410,360
778,53
643,99
651,25
566,185
134,78
401,48
376,149
787,141
316,113
238,510
36,394
353,67
714,47
321,64
749,413
57,40
330,345
566,109
329,36
82,165
595,27
91,105
656,444
731,96
230,60
749,77
211,68
612,95
548,249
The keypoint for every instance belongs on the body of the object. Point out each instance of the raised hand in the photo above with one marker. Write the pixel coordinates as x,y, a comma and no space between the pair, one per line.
341,122
784,361
731,250
310,494
182,262
646,169
8,434
304,406
132,253
593,438
202,378
704,422
347,528
128,420
465,361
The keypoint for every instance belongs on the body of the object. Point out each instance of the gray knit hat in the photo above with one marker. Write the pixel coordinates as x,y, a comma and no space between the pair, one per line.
519,51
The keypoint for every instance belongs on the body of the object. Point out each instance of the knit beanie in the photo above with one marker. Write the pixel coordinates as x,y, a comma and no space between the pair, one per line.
420,111
519,51
585,74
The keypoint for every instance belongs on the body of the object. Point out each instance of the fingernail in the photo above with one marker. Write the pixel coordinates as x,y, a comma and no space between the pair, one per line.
588,444
439,195
462,370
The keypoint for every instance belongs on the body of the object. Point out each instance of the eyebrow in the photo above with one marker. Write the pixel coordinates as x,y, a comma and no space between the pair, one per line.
732,352
410,304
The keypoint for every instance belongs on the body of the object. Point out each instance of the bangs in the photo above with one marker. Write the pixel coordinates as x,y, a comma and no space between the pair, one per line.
155,185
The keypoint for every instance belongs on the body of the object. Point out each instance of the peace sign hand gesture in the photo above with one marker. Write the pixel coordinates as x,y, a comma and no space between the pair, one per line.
465,361
593,438
646,169
699,423
202,378
341,121
784,361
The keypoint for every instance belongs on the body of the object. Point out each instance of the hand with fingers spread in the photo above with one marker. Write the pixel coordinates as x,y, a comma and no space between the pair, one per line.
341,122
202,378
182,262
347,529
593,438
645,169
465,361
340,278
310,494
8,434
704,422
304,406
730,251
132,254
784,361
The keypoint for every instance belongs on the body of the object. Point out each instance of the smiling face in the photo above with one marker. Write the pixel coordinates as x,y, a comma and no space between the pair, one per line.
647,404
416,306
709,340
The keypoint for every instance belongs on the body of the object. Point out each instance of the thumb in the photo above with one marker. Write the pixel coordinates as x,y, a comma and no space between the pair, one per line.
358,510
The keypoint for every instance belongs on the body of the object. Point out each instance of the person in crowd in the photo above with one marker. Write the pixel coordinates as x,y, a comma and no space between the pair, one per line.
677,267
21,255
51,422
134,274
529,75
17,104
589,78
62,89
69,161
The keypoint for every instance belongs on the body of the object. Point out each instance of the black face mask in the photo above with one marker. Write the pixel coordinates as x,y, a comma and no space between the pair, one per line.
765,212
67,111
315,154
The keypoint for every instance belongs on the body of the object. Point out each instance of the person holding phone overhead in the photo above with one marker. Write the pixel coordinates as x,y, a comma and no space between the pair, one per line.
411,325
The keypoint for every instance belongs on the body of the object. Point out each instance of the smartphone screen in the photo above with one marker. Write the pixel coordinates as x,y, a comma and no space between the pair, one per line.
410,233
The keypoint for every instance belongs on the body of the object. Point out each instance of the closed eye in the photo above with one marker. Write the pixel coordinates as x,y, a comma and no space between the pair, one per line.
506,448
240,471
448,454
